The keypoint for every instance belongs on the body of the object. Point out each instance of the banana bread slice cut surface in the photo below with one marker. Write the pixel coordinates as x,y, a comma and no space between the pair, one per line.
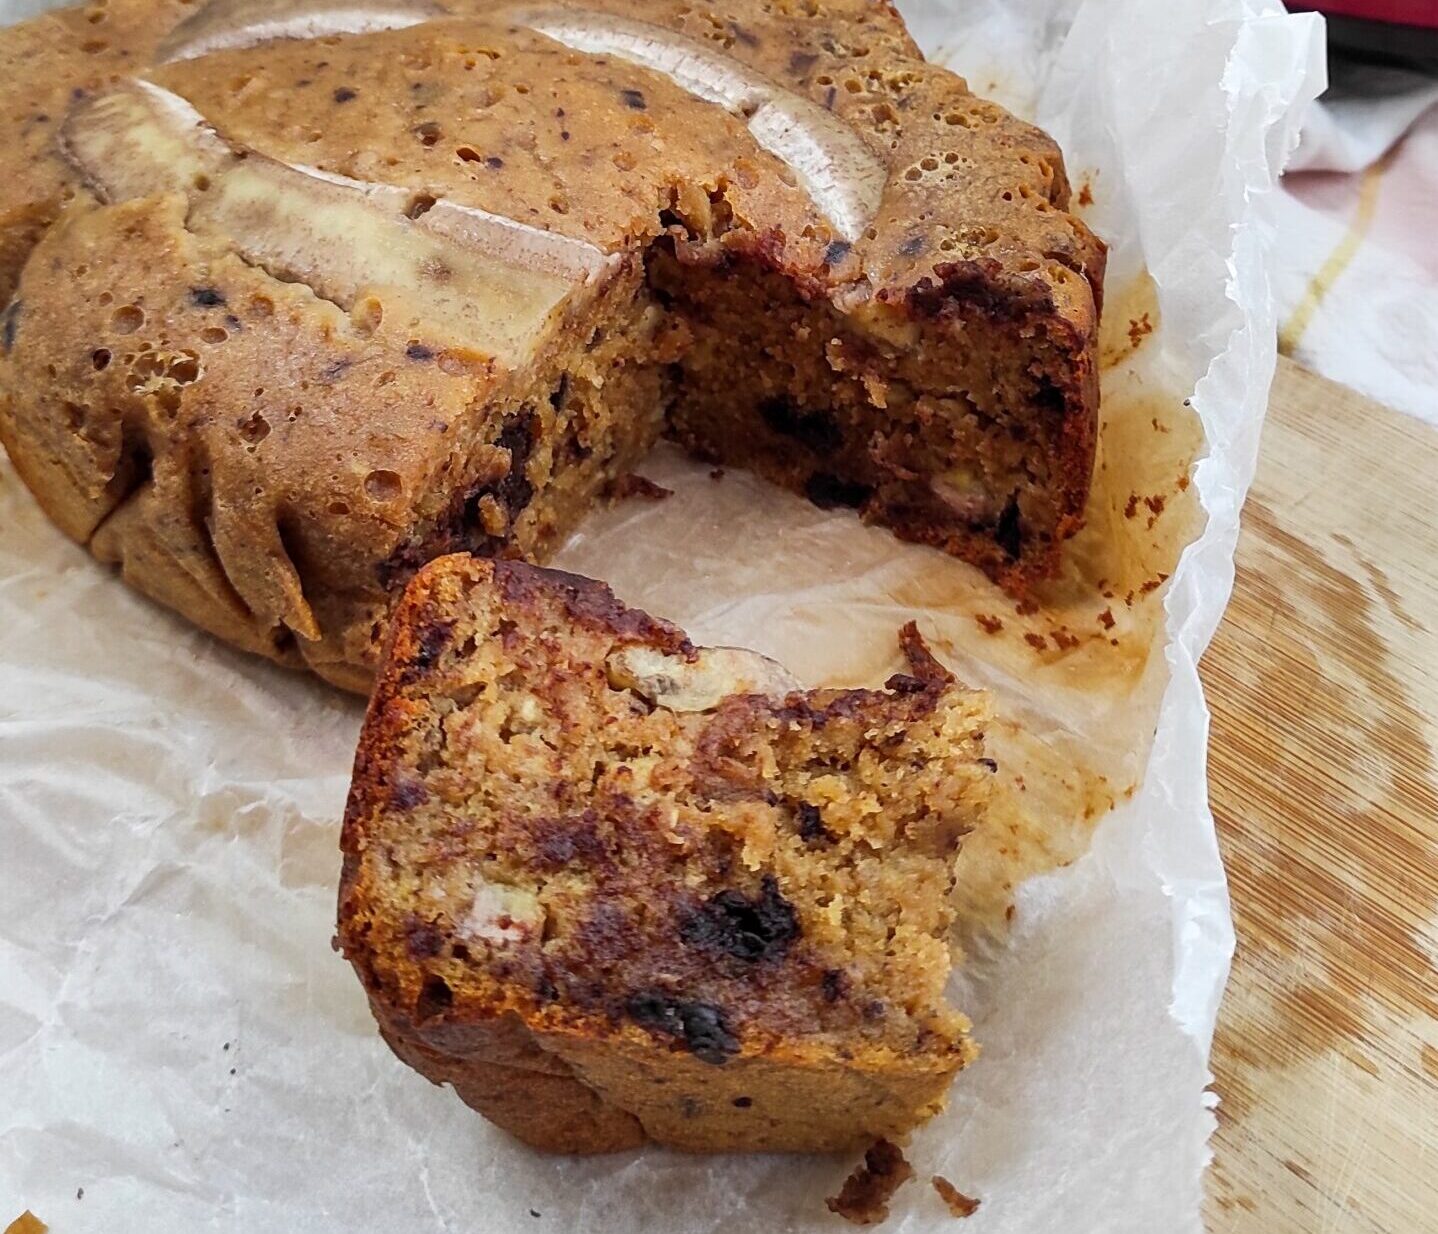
614,887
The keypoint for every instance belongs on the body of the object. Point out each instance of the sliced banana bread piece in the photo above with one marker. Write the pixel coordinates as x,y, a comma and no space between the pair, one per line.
615,887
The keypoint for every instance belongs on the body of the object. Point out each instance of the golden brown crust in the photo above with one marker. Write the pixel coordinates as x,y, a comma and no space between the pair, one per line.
273,472
650,956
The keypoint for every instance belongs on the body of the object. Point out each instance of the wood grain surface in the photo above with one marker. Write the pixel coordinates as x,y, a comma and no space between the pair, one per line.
1324,687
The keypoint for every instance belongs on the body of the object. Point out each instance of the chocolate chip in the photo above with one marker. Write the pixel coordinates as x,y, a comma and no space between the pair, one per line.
517,436
1009,534
494,162
422,939
418,351
407,794
634,99
462,529
811,823
836,252
343,94
433,639
989,763
743,1103
814,430
9,321
828,491
699,1027
748,928
834,984
206,297
912,247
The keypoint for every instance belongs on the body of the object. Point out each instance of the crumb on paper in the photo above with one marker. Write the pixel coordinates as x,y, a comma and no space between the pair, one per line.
1085,194
865,1195
1064,638
1106,618
958,1203
26,1223
1139,329
631,484
988,623
1036,641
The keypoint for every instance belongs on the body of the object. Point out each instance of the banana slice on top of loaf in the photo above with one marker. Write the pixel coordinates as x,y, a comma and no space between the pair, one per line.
614,887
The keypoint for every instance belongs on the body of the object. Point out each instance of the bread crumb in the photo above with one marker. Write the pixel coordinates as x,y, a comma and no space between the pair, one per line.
28,1223
631,484
865,1195
958,1203
1064,639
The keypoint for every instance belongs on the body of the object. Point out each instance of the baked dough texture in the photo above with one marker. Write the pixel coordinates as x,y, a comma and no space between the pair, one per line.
301,295
614,887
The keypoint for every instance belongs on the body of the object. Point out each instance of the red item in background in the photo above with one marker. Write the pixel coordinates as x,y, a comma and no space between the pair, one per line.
1397,12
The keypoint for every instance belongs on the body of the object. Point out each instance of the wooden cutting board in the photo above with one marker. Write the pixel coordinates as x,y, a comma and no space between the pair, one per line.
1324,687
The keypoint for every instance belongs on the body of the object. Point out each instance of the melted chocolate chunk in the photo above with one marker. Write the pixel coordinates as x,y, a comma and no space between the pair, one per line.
1009,534
407,794
751,929
206,297
9,320
699,1027
814,430
811,823
343,95
634,99
829,492
433,639
422,939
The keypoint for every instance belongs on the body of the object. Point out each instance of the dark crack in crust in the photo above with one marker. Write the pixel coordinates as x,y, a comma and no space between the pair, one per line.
549,873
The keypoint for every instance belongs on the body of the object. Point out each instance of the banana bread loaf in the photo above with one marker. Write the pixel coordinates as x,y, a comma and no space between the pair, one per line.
614,887
307,294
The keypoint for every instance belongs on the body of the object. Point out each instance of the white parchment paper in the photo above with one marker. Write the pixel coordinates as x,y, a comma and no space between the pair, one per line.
180,1050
